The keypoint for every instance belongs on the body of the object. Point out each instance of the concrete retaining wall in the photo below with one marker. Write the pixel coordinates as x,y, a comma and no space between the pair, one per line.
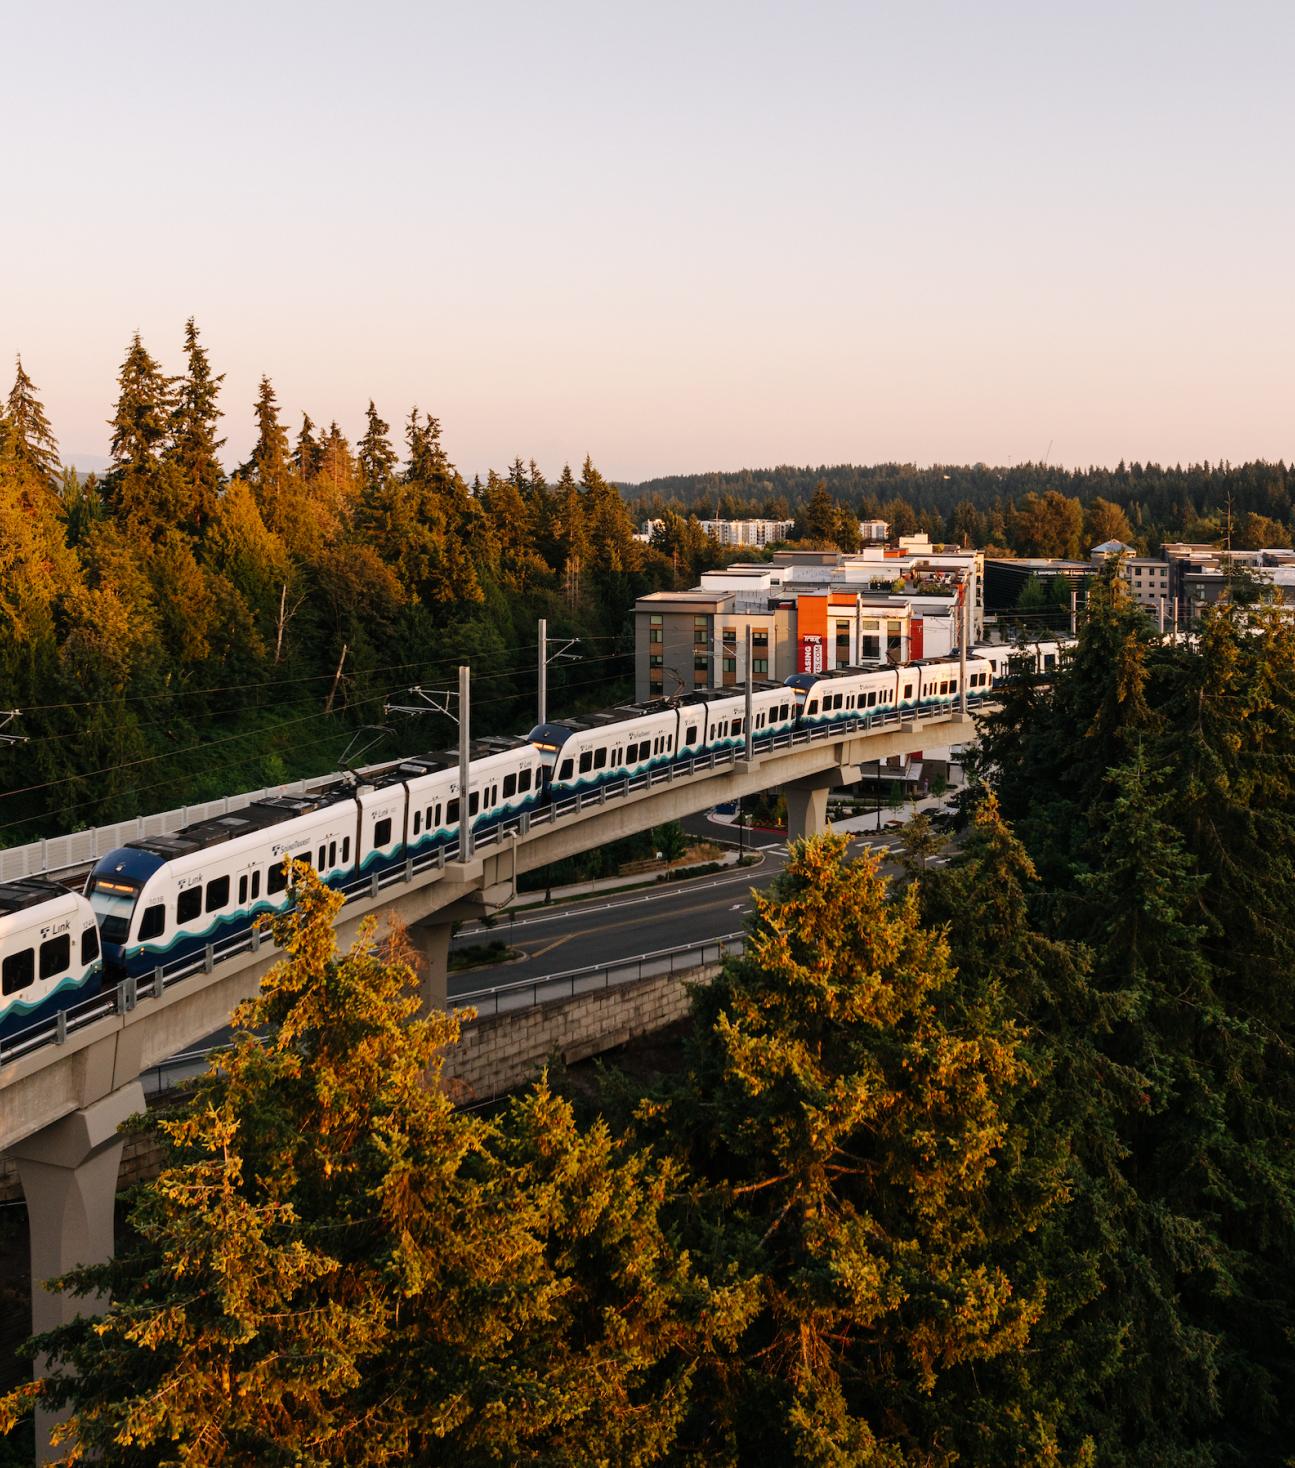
506,1050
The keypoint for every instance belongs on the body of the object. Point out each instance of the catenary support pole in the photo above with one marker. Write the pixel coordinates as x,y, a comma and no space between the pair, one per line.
750,704
465,800
1074,610
962,647
858,629
1173,633
1162,616
543,703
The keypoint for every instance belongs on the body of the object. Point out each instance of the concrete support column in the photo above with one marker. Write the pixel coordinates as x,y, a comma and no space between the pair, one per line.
68,1173
806,811
432,942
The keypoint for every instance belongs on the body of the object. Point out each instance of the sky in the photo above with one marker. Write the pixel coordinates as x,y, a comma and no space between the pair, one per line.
675,237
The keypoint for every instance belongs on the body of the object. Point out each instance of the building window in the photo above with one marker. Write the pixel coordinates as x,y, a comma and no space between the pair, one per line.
701,663
760,665
656,619
730,665
655,660
760,639
654,634
700,636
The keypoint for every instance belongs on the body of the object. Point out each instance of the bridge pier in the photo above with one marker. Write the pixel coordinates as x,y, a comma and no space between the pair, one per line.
68,1172
431,942
806,811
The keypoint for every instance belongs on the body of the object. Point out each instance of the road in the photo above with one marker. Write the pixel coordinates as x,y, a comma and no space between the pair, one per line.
616,926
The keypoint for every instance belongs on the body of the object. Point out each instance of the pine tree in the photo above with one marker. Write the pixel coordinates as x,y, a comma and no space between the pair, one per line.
26,438
141,422
269,466
193,446
306,455
375,455
144,487
857,1143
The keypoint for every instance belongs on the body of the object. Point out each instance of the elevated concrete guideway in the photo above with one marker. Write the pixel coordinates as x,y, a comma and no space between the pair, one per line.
39,1088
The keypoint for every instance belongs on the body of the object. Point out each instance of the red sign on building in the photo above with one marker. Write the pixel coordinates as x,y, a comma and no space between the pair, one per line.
811,653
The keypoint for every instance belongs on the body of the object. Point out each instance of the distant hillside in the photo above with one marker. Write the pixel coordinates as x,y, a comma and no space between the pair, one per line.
1152,494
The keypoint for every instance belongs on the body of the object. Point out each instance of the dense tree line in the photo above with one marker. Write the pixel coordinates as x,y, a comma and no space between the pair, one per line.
997,1167
173,632
1027,509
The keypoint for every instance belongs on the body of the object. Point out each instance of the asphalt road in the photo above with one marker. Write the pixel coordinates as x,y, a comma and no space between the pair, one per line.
623,925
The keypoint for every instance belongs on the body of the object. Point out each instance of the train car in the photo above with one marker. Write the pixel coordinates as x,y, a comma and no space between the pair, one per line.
713,721
507,777
163,898
49,952
599,748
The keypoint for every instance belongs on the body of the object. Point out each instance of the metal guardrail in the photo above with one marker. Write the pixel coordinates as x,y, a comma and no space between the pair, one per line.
527,993
127,994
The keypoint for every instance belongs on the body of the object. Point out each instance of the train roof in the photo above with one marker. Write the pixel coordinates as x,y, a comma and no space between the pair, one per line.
28,892
273,810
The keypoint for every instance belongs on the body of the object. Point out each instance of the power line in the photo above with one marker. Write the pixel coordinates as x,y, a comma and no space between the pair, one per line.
448,662
246,759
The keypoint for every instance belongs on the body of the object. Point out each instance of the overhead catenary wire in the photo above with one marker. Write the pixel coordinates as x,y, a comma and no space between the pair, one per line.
520,671
447,662
247,759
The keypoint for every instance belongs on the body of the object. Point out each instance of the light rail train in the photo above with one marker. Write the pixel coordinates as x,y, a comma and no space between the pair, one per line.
160,899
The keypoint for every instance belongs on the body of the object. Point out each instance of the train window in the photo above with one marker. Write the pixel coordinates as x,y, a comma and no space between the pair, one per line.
737,726
56,956
153,922
812,707
690,734
1049,660
18,971
600,759
908,690
217,894
452,813
418,822
586,761
524,780
275,880
322,863
382,831
242,890
346,852
188,905
332,853
474,803
872,699
510,786
89,945
669,744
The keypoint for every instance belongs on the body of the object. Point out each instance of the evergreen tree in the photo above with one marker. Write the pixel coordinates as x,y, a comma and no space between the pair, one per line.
375,456
26,438
857,1142
268,468
306,455
143,486
141,422
193,445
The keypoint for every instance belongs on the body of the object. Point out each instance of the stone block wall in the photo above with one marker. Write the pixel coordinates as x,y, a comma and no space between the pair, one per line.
500,1052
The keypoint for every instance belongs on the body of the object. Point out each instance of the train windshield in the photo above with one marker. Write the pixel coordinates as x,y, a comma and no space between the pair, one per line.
113,903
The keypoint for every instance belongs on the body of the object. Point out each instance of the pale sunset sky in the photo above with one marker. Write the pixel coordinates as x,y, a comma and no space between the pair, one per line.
674,236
